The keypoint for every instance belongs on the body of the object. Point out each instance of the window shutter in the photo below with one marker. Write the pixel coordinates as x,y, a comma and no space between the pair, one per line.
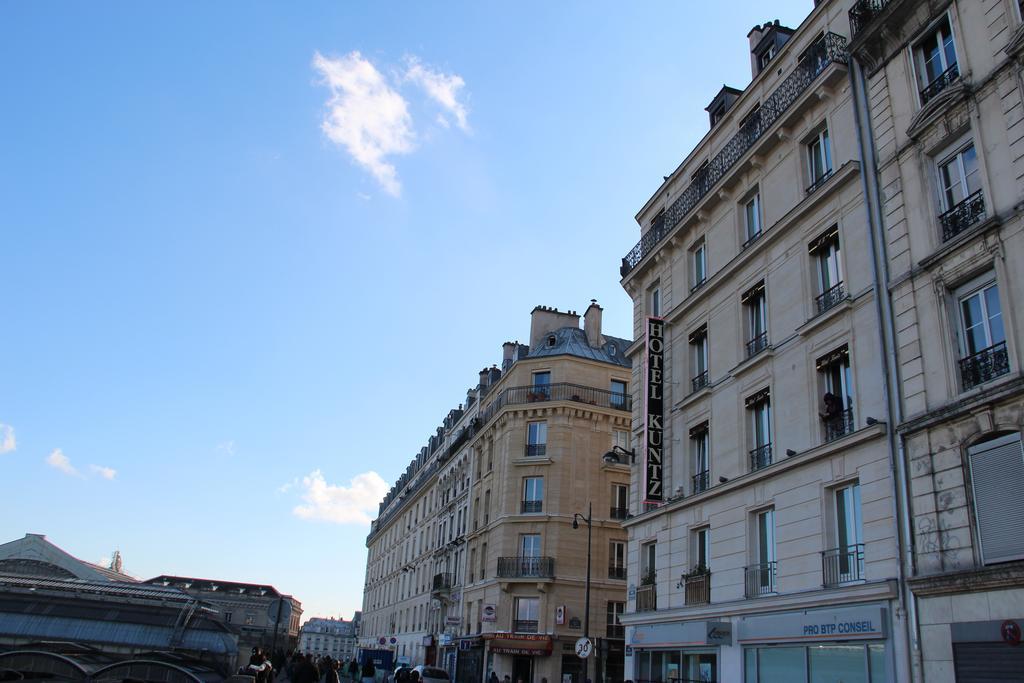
997,473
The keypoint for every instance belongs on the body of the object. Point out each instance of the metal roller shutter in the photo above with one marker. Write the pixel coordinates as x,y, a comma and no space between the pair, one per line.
997,475
988,662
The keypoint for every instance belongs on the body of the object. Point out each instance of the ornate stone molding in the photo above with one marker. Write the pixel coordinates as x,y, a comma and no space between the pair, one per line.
938,107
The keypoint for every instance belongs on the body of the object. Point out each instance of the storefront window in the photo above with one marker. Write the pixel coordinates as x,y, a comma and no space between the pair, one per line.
656,667
837,663
672,665
780,664
879,671
817,664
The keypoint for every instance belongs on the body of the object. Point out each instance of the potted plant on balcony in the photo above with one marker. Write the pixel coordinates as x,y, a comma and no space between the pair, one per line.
648,578
699,570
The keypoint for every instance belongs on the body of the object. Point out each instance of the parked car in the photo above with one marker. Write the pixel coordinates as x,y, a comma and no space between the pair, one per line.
431,674
401,673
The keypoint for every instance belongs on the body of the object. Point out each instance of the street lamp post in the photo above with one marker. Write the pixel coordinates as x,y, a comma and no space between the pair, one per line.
586,597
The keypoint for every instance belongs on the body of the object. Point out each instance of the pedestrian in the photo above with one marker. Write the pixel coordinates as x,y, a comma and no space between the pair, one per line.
332,673
493,678
353,669
414,676
369,673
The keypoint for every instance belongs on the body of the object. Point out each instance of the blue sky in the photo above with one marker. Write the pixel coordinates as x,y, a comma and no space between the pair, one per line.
227,325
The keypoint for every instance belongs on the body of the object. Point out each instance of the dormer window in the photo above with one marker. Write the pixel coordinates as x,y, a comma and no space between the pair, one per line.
717,114
551,341
765,57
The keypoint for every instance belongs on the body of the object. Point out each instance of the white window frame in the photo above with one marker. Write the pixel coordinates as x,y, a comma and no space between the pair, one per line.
533,489
654,301
702,547
956,160
620,496
699,257
752,226
761,423
701,449
978,287
699,355
757,314
985,507
918,57
765,544
531,545
829,265
822,142
622,438
537,433
617,553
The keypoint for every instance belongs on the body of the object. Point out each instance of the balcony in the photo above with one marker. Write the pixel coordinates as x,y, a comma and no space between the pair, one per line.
617,572
760,457
697,588
758,344
941,82
760,579
701,482
562,391
833,296
646,598
442,582
618,512
750,240
985,365
535,449
525,625
526,567
819,181
842,565
698,284
830,49
529,507
962,216
864,12
838,425
699,382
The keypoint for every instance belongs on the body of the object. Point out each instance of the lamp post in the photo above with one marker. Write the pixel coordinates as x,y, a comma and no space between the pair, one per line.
617,454
586,597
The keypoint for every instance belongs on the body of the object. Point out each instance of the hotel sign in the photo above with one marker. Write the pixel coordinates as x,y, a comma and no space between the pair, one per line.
654,411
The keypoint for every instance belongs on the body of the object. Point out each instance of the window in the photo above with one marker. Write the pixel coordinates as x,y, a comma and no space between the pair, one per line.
699,443
616,559
648,563
620,501
622,438
541,386
620,391
533,495
654,301
760,577
483,563
702,548
828,270
982,337
819,160
935,60
751,220
756,309
536,438
613,628
527,615
997,478
698,259
759,409
699,357
529,545
487,507
845,562
837,399
227,617
765,57
962,201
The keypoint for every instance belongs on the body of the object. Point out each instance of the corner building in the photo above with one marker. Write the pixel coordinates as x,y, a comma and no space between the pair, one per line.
942,84
763,542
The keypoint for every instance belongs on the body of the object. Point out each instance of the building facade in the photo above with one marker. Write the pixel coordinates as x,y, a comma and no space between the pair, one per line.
328,637
474,562
942,104
764,543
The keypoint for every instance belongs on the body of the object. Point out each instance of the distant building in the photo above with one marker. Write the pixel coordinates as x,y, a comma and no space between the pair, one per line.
250,609
331,637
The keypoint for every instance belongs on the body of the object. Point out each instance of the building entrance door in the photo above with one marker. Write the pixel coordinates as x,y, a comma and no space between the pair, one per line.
572,669
522,669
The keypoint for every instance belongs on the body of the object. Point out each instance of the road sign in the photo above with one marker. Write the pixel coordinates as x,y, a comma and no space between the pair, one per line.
584,647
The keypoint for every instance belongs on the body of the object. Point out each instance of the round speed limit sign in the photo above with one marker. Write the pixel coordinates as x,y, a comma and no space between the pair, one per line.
584,647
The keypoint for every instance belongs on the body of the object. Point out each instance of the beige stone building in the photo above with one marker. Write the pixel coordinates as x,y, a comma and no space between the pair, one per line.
942,84
474,564
765,543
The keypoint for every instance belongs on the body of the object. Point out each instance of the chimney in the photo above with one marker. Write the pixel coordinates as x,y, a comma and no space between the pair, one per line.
483,378
592,325
507,355
495,375
544,320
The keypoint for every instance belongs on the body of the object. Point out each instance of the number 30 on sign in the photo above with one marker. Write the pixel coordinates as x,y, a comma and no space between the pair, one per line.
584,647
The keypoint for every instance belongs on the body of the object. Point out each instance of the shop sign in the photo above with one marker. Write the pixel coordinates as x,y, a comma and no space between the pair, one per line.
654,410
452,621
682,633
446,639
428,641
852,623
488,612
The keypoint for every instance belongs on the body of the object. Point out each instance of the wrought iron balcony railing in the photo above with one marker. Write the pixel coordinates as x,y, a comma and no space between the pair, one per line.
701,480
531,506
753,238
698,284
839,425
700,381
962,216
697,589
442,582
618,512
832,296
843,565
562,391
941,82
526,567
525,625
985,365
760,579
819,181
534,449
646,598
863,13
830,48
758,344
760,457
616,572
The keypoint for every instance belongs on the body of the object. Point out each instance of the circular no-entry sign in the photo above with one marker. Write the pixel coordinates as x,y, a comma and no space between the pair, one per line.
1010,631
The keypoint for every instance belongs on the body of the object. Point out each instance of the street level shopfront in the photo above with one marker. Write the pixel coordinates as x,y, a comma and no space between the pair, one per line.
849,644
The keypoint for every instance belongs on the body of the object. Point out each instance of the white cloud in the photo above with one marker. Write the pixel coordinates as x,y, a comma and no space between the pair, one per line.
226,447
105,472
59,461
288,486
340,504
7,440
365,115
442,88
104,562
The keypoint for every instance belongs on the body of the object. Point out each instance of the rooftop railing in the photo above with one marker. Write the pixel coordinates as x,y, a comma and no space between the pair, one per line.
864,12
829,49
